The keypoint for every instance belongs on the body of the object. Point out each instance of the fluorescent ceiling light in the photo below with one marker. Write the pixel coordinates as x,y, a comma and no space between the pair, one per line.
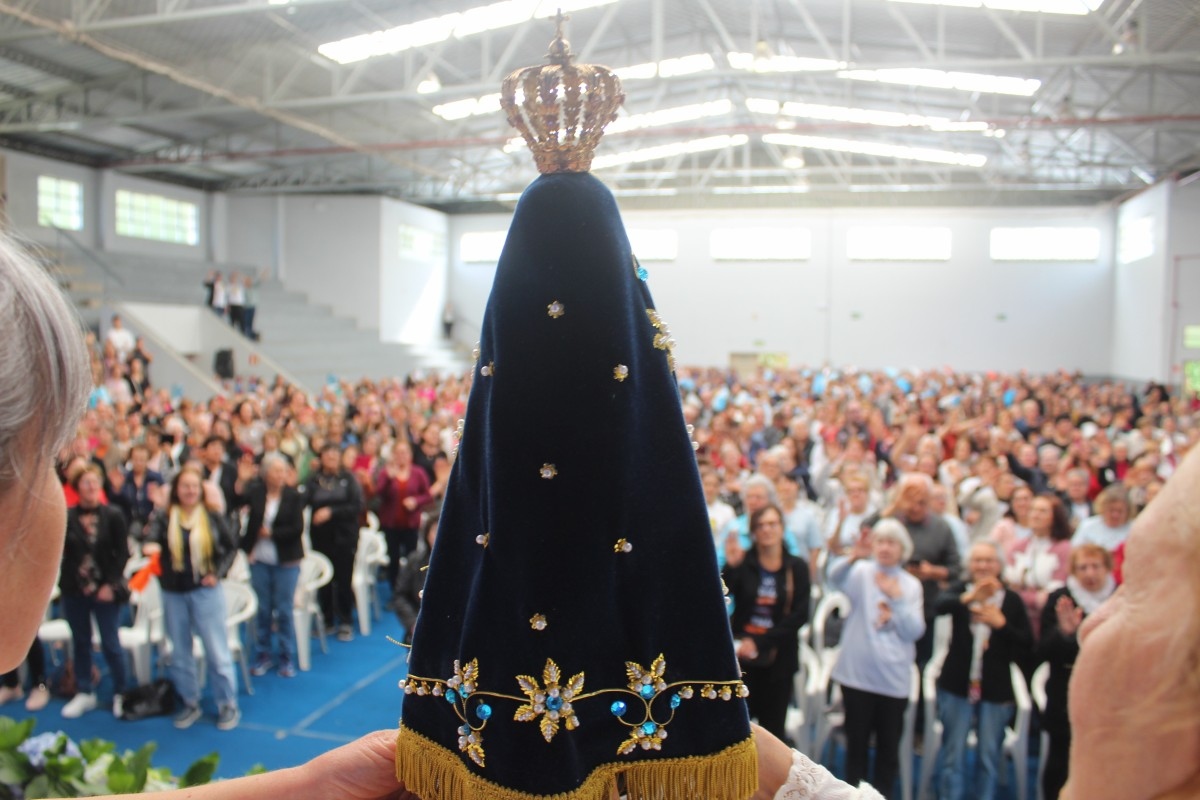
862,116
669,150
429,84
877,149
470,107
940,79
1078,7
750,62
667,68
759,189
438,29
670,116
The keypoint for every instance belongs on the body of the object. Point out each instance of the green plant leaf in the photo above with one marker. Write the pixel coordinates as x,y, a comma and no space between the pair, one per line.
38,788
12,733
120,777
64,768
201,772
257,769
139,765
92,749
14,768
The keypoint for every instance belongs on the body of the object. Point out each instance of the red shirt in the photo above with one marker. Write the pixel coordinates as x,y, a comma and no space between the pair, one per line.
392,493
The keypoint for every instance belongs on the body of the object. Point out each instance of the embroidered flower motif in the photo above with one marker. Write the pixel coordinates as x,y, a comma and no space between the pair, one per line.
555,310
470,741
483,539
622,546
550,702
663,339
620,372
489,369
548,471
537,622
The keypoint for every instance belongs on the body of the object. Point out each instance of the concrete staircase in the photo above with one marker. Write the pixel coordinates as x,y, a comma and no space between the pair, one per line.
303,337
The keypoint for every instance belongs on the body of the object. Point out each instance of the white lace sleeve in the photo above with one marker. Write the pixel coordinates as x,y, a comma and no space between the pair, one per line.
809,781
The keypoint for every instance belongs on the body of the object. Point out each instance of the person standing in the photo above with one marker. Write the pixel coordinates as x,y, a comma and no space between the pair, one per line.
336,500
770,591
197,548
273,542
403,490
990,632
236,295
878,648
93,586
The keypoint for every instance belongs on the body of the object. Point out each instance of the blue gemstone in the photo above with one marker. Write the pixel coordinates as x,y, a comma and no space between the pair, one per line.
483,711
554,703
675,701
451,696
642,273
647,691
649,728
617,708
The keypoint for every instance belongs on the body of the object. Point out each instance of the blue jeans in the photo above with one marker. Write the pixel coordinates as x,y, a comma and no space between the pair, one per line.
276,589
957,715
201,612
78,611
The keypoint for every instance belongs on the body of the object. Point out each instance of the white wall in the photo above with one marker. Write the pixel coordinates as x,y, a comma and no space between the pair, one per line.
252,229
412,291
1140,290
332,252
868,314
1184,287
21,174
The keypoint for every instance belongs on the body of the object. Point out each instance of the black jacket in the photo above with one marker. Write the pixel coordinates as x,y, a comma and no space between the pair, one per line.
109,551
1059,651
342,495
1008,645
788,614
228,488
288,528
410,582
224,550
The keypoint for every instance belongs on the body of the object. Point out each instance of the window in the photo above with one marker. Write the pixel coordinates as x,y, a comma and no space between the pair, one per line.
481,247
153,216
1045,244
760,244
418,244
898,243
654,245
1191,337
59,203
1135,240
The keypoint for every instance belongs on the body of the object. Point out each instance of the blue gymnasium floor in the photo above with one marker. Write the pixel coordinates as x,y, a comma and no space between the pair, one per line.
350,691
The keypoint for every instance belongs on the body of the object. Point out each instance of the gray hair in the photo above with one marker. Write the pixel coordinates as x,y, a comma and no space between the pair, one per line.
271,459
763,481
891,528
45,377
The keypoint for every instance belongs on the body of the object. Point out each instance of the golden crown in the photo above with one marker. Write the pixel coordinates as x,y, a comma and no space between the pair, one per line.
560,108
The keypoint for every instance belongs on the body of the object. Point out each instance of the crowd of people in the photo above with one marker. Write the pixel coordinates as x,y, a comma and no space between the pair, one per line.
924,449
1000,500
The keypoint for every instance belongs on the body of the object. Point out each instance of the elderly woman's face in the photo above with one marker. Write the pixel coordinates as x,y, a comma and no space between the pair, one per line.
983,563
1131,648
1116,513
30,552
886,551
756,498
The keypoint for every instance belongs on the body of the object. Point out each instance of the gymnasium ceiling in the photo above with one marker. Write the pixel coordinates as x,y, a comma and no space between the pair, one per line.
764,102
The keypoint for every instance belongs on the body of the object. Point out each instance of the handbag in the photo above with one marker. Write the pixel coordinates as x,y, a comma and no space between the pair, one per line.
152,700
766,657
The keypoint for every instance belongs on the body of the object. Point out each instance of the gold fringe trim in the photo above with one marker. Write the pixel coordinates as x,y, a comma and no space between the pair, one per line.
432,772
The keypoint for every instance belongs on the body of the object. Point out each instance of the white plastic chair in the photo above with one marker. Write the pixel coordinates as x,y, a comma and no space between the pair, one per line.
831,713
146,632
809,696
370,556
315,571
1016,738
906,739
1037,690
942,627
831,602
241,605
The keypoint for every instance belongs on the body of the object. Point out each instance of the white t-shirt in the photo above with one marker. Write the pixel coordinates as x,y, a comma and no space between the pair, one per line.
122,341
